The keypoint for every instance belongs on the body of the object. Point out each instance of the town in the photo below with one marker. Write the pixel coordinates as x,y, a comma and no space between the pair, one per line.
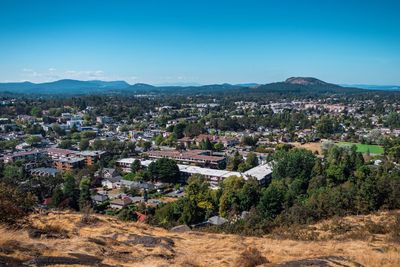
200,133
134,159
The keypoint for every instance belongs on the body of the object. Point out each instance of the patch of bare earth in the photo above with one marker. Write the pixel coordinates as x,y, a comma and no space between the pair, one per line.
63,239
313,146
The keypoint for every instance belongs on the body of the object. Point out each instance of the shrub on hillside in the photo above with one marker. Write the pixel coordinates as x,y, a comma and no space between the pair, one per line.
250,257
14,204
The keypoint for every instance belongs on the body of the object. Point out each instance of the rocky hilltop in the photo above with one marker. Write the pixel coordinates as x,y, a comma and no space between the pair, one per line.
305,81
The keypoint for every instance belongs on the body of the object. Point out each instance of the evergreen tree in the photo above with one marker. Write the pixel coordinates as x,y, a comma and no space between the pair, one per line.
135,166
71,191
234,162
57,197
164,170
84,193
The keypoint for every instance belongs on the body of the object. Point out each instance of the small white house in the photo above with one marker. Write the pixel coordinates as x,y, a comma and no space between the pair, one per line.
112,182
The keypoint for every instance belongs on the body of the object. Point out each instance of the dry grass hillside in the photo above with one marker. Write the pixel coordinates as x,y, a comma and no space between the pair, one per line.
64,239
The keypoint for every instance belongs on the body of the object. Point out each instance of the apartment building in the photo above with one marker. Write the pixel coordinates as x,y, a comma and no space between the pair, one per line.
198,157
69,164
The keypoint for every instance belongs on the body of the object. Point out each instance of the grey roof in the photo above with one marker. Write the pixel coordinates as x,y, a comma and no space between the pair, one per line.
114,179
137,199
91,153
111,171
176,193
260,171
140,185
108,170
99,198
48,171
71,160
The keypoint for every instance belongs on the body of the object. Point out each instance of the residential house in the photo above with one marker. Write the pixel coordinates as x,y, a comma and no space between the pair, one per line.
106,173
112,182
99,198
137,185
104,119
120,203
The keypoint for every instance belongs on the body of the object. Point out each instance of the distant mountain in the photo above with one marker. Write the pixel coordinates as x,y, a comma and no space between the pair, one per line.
181,84
374,87
248,84
140,87
111,84
16,86
66,86
211,88
306,85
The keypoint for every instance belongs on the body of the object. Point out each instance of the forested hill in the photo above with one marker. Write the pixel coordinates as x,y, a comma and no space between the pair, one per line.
75,87
63,87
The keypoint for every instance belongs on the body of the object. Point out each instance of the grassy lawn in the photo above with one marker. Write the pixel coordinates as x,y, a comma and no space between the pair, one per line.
373,149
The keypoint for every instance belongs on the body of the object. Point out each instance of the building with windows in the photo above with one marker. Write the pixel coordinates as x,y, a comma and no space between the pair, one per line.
62,156
262,173
202,158
29,156
69,164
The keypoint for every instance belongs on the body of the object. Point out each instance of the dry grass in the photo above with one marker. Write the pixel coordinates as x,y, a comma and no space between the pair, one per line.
112,242
6,235
394,232
313,147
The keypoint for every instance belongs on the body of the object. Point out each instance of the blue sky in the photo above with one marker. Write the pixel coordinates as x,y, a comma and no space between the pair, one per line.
204,41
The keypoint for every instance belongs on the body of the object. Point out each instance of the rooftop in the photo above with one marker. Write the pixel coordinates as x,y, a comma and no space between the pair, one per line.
185,155
71,160
259,172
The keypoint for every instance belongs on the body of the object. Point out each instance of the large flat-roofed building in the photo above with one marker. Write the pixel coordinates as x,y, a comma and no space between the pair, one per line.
125,164
30,156
262,172
212,175
69,164
90,157
60,152
197,157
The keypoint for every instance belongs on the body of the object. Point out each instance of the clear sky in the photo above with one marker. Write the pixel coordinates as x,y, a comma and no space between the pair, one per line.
202,41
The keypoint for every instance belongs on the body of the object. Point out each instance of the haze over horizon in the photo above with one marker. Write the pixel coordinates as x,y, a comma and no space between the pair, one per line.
182,42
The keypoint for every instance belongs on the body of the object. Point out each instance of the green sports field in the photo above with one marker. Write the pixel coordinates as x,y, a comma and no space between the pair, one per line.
373,149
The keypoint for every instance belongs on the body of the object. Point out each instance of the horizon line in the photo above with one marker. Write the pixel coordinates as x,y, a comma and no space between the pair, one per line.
193,84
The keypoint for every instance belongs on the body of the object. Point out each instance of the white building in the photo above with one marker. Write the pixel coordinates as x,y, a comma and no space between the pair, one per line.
112,182
261,172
